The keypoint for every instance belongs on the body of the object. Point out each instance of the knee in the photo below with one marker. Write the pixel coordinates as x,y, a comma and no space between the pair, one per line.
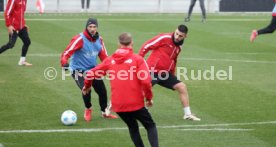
192,5
27,42
181,87
133,128
10,45
150,126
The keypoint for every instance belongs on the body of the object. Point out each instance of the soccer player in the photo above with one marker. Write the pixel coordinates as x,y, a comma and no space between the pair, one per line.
15,22
162,62
130,82
202,6
84,49
269,29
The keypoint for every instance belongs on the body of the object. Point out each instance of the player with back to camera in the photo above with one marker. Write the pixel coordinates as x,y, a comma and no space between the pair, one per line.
128,95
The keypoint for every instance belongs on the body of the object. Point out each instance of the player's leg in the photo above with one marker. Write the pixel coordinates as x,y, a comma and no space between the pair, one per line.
100,89
82,4
191,7
87,4
10,44
269,29
203,10
133,127
79,79
24,36
184,98
145,118
171,82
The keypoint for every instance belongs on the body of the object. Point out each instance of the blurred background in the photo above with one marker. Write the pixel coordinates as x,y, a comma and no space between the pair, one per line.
149,6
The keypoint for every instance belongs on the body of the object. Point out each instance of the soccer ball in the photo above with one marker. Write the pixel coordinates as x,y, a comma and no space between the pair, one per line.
69,118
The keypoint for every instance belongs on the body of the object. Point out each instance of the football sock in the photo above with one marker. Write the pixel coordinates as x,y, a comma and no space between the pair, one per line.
22,59
187,111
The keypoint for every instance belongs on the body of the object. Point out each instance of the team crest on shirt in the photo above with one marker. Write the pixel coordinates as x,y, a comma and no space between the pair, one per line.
128,61
113,62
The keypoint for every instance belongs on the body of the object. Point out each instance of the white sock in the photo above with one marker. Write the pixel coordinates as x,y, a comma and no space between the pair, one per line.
187,111
22,59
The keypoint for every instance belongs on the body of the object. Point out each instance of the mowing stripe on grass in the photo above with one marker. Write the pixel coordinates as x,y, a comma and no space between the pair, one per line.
228,60
191,128
141,19
182,58
217,129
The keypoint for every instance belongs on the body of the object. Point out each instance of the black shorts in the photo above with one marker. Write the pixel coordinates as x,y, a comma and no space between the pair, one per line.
167,80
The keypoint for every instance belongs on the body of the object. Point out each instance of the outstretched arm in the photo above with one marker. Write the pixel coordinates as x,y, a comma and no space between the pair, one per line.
95,73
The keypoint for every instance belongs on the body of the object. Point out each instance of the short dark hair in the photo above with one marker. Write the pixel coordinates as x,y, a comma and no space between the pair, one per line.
182,28
125,39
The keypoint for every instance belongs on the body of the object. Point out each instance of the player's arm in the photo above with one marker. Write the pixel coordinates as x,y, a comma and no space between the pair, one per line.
75,44
95,73
150,45
145,78
8,19
103,53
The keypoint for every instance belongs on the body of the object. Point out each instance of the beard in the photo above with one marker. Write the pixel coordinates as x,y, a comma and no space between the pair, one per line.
93,36
179,43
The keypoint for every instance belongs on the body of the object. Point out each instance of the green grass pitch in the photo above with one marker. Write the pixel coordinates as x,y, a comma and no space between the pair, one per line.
237,112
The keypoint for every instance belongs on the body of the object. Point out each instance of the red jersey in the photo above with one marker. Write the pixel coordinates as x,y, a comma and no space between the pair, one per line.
14,14
164,53
129,79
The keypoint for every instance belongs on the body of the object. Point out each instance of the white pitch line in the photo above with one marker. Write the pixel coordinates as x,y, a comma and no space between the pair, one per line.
124,128
218,129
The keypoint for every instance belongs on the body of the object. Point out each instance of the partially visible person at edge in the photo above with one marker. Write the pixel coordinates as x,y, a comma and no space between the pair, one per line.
15,22
268,29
